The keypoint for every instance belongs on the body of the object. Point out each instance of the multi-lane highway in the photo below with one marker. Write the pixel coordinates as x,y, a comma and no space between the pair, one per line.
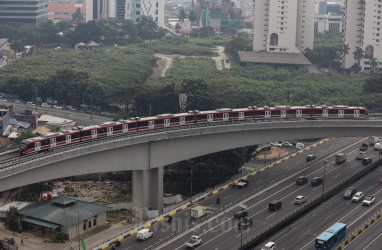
301,235
369,240
222,233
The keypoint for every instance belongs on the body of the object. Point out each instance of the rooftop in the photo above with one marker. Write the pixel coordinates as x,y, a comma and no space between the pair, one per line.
273,58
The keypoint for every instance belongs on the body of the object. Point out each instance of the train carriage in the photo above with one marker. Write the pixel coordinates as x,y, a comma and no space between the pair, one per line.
76,134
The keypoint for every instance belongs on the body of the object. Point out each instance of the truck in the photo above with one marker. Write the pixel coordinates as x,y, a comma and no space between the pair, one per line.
144,234
340,158
193,242
373,140
198,211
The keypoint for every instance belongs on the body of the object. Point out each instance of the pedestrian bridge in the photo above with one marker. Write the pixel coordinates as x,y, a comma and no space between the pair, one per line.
146,153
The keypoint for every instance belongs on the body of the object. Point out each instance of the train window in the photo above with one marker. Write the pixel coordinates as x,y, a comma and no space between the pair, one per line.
276,112
234,114
174,120
142,124
333,111
75,135
306,111
29,146
259,113
349,111
317,111
117,128
45,142
249,113
101,131
291,112
60,139
362,111
85,133
218,116
190,118
201,117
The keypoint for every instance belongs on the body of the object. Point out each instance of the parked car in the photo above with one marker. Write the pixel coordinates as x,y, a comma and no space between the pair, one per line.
366,160
300,145
363,147
269,246
349,193
360,156
316,181
106,114
276,144
71,108
240,214
368,200
57,107
287,144
301,180
357,197
310,158
300,199
31,103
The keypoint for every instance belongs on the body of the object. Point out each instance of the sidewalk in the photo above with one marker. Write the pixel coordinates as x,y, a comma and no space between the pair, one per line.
33,242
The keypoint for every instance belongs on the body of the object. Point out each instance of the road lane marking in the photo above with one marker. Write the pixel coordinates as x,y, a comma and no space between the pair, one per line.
270,216
337,176
304,233
227,197
373,241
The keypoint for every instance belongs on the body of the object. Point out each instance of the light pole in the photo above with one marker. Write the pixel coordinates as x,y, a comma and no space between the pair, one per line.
323,179
182,102
190,165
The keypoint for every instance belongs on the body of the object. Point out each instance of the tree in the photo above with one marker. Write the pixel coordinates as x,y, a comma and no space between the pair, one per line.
359,54
345,52
192,16
182,15
177,27
330,55
147,28
373,64
77,16
12,218
23,134
198,95
373,84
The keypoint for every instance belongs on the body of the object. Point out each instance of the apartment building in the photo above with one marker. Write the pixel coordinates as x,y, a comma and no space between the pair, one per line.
285,26
126,9
18,13
362,29
328,23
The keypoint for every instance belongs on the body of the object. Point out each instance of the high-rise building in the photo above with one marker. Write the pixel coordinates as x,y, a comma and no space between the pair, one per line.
125,9
363,30
137,8
18,12
283,26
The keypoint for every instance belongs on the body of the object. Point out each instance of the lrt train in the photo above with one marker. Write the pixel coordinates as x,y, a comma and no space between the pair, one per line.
77,134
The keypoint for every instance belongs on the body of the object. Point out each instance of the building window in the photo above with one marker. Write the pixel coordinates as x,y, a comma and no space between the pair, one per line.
84,226
90,224
95,220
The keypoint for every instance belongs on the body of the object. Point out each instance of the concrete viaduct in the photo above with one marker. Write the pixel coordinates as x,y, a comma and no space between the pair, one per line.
147,154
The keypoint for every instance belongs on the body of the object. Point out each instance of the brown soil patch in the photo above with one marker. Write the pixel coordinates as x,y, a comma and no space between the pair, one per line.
274,153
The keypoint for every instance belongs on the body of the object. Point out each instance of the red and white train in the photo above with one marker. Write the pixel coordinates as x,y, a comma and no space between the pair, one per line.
77,134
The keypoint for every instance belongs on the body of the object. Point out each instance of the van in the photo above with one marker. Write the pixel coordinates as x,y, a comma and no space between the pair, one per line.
274,205
302,180
269,246
144,234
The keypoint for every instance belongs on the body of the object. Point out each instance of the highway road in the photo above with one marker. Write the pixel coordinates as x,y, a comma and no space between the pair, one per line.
221,232
301,235
369,240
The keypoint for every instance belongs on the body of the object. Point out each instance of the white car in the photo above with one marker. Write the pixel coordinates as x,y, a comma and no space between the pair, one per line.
368,200
299,199
57,107
269,246
357,197
31,103
276,144
300,145
46,105
287,144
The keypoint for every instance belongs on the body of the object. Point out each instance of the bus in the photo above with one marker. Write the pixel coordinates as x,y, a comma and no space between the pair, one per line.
331,237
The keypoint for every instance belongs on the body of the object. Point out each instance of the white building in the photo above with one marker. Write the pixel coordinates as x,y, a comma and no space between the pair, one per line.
363,29
125,9
283,26
328,23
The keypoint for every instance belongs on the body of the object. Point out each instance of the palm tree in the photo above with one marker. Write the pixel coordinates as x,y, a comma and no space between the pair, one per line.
345,52
331,55
359,54
182,15
373,64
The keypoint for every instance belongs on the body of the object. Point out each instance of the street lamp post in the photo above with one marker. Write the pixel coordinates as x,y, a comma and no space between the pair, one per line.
190,165
323,179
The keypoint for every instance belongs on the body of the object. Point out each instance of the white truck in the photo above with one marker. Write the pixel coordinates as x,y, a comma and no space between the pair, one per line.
193,242
198,211
373,140
144,234
340,158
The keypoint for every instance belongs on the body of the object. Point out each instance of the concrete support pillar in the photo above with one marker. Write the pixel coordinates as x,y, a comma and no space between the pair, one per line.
156,189
140,193
147,191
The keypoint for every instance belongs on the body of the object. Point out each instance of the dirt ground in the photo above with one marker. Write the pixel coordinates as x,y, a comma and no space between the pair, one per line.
274,153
